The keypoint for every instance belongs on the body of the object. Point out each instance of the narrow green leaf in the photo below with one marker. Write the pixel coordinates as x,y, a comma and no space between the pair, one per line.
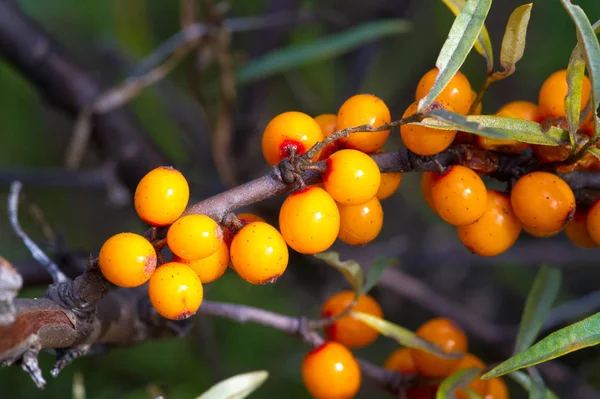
595,152
496,127
403,336
588,41
575,75
288,58
566,340
537,307
236,387
376,271
460,379
350,269
538,387
460,41
483,44
515,37
525,381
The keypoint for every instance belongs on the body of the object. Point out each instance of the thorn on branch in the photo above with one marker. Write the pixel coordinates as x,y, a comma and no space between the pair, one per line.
29,363
64,357
13,206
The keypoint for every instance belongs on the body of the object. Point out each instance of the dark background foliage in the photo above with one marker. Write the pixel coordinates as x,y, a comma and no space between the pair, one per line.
108,38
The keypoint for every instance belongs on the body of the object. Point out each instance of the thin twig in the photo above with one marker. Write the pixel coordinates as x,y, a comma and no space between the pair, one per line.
13,205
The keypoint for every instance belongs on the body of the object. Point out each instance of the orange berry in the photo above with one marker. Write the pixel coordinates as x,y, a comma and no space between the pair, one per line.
331,372
360,224
518,110
577,231
194,237
287,132
424,140
477,385
497,389
259,253
449,337
390,181
175,291
401,360
479,107
309,220
426,184
458,93
552,94
543,202
161,196
127,260
593,222
495,231
352,177
244,218
347,330
363,109
327,123
210,268
459,195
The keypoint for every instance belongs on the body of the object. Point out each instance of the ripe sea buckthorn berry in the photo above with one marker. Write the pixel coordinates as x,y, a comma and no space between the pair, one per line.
210,268
552,94
244,218
497,389
390,181
331,372
459,195
360,224
518,110
495,231
127,260
161,196
288,132
401,360
577,231
258,253
478,385
363,109
424,140
175,291
194,237
449,337
352,177
327,123
458,93
479,107
593,222
309,220
348,331
426,184
543,202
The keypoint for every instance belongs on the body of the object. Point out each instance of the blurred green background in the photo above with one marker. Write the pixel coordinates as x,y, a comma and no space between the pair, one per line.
108,38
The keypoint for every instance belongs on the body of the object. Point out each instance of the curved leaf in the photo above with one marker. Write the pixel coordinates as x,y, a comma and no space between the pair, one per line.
538,387
515,37
496,127
350,269
595,152
525,381
569,339
460,379
288,58
236,387
575,75
375,273
403,336
483,45
460,41
537,307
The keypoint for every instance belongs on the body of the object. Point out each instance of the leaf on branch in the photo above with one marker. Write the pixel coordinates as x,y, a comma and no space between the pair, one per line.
403,336
236,387
575,75
538,386
375,272
349,268
566,340
537,306
588,41
463,34
496,127
483,44
460,379
288,58
515,38
525,381
595,152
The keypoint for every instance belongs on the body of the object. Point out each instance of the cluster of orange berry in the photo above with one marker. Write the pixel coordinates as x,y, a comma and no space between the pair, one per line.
331,370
